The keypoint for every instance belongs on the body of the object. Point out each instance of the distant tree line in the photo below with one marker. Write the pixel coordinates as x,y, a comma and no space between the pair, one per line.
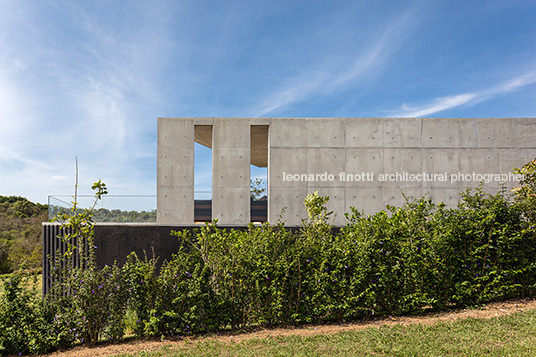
20,233
114,215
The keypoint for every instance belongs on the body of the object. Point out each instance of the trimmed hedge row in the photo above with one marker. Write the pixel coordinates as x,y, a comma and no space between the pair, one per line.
393,262
399,261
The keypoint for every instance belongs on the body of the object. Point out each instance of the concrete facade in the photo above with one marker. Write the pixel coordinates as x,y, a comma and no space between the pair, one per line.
364,163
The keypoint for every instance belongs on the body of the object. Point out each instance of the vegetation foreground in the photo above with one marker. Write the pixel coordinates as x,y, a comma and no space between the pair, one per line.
476,332
398,261
503,336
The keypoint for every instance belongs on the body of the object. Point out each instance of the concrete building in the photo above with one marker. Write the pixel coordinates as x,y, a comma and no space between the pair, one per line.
361,162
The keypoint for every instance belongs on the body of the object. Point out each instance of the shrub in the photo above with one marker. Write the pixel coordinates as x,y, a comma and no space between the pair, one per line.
23,324
395,261
184,303
526,192
399,260
97,302
92,300
141,288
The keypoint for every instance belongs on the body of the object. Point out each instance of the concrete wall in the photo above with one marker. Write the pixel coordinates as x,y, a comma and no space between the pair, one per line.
230,171
374,146
175,171
387,146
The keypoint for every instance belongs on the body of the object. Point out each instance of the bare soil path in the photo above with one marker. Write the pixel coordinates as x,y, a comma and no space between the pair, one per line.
486,312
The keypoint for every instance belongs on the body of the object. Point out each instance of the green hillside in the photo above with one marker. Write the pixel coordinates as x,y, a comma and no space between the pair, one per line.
20,233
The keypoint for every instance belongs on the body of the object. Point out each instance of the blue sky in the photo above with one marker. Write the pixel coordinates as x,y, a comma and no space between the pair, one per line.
89,78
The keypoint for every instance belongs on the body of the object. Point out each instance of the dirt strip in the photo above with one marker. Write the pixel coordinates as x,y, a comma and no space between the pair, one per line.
486,312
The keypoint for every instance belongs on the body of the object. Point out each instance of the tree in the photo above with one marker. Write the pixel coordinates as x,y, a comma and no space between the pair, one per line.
258,188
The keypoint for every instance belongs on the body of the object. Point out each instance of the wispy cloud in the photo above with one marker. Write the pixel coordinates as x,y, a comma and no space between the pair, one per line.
16,124
449,102
78,85
88,79
116,80
334,72
437,105
59,177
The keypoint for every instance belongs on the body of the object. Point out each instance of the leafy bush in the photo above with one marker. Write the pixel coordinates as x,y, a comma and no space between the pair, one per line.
23,324
98,303
141,287
92,299
399,260
184,303
526,192
392,262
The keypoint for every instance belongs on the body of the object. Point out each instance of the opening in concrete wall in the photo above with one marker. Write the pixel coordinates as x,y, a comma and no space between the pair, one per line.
203,173
259,173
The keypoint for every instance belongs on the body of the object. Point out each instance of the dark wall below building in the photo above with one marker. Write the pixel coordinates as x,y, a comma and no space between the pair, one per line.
115,242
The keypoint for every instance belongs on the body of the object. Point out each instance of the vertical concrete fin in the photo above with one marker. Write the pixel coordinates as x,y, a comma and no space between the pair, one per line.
175,171
231,171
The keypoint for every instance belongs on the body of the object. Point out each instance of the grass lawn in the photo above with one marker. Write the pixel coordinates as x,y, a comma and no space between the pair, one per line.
511,335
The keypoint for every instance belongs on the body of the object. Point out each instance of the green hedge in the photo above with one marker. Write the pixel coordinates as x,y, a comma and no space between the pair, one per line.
398,261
